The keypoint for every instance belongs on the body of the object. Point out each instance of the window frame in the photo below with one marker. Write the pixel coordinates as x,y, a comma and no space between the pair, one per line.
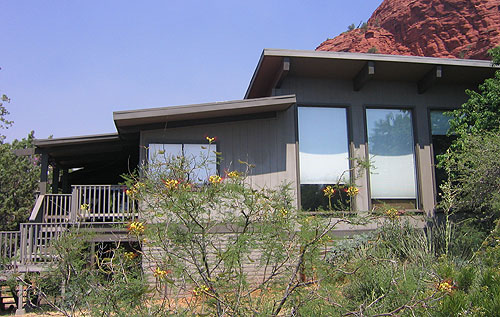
202,142
347,107
413,111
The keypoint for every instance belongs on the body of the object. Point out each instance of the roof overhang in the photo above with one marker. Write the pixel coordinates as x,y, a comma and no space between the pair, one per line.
274,64
124,120
79,151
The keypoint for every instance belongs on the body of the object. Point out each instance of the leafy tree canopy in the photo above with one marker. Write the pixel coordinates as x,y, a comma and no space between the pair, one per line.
4,123
472,160
18,183
481,112
18,176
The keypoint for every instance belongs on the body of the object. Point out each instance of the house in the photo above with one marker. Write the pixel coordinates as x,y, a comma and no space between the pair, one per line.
307,116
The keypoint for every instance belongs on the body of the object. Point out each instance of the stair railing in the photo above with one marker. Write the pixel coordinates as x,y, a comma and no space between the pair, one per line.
36,241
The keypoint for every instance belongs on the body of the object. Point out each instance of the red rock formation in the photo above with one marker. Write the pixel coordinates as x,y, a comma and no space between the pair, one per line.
437,28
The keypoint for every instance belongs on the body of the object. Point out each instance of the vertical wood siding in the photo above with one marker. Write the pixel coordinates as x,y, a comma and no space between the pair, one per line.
269,144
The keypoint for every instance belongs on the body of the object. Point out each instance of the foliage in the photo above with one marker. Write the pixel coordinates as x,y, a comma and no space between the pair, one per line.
211,244
18,183
4,123
112,285
471,162
481,113
207,237
475,170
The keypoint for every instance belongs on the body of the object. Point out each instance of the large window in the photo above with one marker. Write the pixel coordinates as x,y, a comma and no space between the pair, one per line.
391,148
440,143
198,160
323,154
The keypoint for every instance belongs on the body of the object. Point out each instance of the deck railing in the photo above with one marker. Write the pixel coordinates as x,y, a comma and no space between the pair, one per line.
36,239
102,203
56,208
9,247
54,213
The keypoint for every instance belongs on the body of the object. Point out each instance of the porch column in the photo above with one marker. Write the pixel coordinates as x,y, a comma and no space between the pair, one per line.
65,182
42,186
55,179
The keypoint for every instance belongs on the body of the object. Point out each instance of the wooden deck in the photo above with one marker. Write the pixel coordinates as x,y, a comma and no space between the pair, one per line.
101,209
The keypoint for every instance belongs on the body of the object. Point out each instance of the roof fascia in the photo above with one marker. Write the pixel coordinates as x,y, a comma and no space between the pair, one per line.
206,108
42,143
378,58
255,73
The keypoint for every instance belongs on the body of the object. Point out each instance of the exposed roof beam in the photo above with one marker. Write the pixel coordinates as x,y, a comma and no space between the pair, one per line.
429,79
364,75
282,72
24,152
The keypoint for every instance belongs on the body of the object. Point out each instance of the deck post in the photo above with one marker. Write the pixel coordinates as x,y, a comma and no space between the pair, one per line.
20,297
66,189
75,193
44,174
55,179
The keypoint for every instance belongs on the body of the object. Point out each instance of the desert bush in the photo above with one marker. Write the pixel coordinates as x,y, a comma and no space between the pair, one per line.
221,245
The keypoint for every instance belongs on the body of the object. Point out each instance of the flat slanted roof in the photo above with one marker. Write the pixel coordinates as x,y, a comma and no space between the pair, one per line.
275,64
143,117
78,151
76,140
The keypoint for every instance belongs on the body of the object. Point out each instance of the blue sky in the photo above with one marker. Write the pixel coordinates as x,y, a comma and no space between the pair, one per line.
67,65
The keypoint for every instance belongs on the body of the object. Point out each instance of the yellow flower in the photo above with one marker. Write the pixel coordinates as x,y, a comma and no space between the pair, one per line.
170,183
215,179
329,191
392,213
159,273
233,174
200,290
283,212
85,207
130,255
352,191
210,140
445,286
134,189
136,228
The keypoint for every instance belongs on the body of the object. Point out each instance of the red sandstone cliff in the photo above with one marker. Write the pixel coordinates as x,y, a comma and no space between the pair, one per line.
437,28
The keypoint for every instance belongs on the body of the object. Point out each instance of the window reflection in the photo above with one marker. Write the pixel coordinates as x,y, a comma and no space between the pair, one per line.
199,160
440,124
391,149
323,155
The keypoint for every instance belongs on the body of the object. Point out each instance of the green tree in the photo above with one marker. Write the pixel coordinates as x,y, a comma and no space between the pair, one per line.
472,160
18,176
4,123
18,183
481,113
